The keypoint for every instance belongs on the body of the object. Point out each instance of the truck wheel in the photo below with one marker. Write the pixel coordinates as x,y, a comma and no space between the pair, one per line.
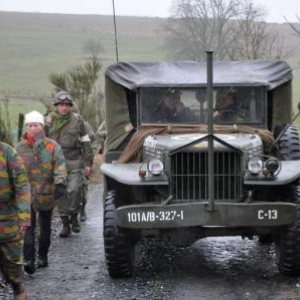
288,143
118,246
289,149
288,244
265,239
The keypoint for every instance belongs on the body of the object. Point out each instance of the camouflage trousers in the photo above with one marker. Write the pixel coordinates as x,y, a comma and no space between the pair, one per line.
70,203
11,261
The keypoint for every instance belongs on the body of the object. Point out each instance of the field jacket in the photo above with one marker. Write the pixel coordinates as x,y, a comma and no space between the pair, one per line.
46,166
14,194
74,140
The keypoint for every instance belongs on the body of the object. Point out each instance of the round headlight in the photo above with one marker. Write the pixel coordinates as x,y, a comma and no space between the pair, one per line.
272,165
155,166
255,166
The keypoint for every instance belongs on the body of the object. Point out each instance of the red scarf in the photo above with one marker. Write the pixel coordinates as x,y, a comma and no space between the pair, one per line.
30,138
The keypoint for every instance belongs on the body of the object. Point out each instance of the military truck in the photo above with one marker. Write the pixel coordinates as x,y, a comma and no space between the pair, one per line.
220,158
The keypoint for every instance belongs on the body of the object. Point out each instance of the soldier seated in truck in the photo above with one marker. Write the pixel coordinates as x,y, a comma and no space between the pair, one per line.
228,109
171,109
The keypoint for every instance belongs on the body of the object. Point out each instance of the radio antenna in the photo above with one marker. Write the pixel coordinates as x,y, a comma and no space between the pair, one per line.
115,26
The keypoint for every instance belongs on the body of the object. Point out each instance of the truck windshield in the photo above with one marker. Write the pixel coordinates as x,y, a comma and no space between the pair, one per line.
238,105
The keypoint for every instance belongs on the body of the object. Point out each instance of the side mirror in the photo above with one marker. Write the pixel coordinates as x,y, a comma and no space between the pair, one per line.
298,106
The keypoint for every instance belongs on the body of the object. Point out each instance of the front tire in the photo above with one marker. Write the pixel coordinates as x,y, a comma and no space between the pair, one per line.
118,245
288,245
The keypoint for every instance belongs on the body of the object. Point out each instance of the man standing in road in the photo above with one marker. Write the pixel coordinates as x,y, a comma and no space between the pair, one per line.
14,217
69,130
47,173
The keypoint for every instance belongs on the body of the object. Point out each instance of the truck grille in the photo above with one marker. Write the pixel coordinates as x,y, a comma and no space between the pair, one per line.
189,176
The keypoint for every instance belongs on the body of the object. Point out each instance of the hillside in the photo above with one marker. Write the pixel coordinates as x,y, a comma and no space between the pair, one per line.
33,45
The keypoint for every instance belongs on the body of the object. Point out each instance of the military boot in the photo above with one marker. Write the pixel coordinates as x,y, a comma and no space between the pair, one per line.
19,291
43,262
66,230
75,224
29,267
43,256
44,244
82,213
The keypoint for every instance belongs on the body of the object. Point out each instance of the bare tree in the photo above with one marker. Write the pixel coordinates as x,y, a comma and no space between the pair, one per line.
254,39
294,26
200,25
233,29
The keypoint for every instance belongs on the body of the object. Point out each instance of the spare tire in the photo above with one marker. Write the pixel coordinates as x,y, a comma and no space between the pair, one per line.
288,142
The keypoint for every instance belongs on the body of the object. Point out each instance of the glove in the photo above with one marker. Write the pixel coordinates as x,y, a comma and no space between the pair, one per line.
59,190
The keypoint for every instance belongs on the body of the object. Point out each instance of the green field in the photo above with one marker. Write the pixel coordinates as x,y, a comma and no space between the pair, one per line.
34,45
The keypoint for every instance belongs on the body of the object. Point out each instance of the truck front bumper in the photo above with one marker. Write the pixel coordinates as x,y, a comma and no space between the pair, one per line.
147,216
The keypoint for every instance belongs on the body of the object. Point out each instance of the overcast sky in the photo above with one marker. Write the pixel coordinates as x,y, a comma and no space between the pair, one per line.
276,9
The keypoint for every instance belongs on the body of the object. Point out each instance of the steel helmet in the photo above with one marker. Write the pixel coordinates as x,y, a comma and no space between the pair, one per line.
63,97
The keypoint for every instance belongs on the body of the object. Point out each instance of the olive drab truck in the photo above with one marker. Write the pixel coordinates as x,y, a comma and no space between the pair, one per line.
214,170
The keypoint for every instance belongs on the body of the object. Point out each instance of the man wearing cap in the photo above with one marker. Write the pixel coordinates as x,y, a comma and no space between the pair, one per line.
47,172
171,109
69,130
227,108
14,217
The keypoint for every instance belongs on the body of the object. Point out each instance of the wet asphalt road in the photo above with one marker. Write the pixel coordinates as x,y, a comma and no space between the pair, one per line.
214,268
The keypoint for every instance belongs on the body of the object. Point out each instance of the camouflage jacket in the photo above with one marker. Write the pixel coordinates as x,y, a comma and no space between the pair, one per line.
74,140
46,166
14,194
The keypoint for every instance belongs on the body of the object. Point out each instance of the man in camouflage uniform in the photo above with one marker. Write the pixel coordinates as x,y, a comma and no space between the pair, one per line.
14,217
47,172
69,130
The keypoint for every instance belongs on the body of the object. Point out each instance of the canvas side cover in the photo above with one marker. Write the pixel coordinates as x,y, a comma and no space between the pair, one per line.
117,116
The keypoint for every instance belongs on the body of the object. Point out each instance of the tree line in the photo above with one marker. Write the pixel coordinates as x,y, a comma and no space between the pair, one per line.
233,29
